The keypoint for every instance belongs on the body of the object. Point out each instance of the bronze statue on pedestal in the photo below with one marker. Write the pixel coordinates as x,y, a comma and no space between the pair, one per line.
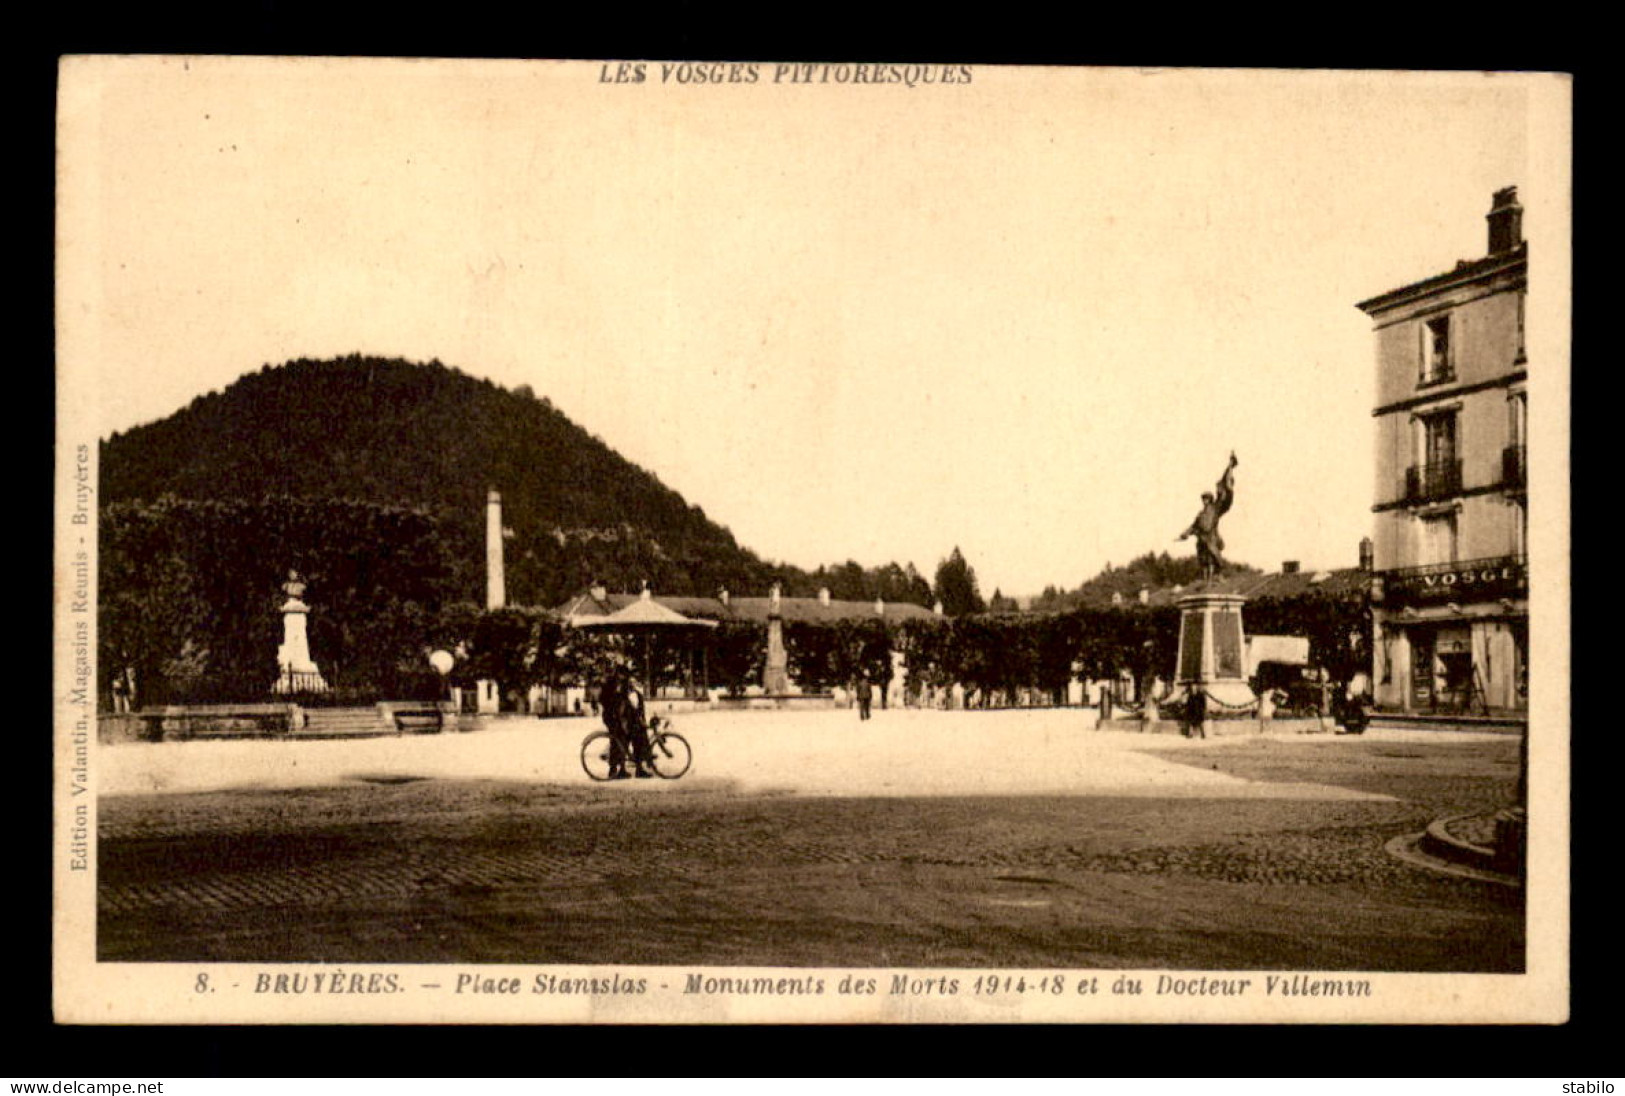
1206,526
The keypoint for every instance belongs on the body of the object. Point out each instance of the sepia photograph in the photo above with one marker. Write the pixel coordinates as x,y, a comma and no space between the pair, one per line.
753,542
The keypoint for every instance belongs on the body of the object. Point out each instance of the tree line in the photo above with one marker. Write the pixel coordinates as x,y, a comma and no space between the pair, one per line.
189,593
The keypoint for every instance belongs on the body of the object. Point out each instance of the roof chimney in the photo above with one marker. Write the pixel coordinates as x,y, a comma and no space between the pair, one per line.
1368,555
1289,567
823,595
599,592
937,608
1145,596
722,595
646,594
1506,221
880,606
773,606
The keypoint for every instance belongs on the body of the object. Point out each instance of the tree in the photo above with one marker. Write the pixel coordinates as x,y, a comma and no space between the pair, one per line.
924,644
738,654
149,614
194,586
998,603
814,655
956,586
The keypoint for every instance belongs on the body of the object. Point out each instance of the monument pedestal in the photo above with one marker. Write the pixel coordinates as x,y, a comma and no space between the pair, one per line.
299,674
1211,650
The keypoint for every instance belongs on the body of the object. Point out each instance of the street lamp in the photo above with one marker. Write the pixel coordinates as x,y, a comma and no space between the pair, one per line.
442,662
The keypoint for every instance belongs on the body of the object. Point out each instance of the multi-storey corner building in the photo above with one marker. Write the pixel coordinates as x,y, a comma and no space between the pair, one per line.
1450,594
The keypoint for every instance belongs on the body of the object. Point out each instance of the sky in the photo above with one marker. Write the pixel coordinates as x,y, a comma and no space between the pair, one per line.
1028,315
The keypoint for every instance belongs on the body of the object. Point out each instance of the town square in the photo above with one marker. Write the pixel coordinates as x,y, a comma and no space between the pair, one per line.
551,528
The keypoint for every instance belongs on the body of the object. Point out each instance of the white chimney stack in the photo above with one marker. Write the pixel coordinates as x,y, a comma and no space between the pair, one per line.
823,595
496,584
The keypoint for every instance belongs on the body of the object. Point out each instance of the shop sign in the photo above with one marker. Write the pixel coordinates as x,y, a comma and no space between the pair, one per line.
1473,581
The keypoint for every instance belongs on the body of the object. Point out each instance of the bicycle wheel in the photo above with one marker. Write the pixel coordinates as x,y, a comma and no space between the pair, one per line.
669,755
595,755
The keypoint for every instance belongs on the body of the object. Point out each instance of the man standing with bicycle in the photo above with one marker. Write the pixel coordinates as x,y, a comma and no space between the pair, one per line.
622,706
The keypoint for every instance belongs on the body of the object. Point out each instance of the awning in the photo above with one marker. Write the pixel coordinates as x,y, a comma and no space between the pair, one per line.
1283,650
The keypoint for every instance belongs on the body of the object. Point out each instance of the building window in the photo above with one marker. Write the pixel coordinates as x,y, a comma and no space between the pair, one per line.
1439,438
1437,472
1438,536
1436,359
1513,474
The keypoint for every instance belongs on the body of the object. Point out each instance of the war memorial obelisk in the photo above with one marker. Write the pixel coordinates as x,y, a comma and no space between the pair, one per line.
496,589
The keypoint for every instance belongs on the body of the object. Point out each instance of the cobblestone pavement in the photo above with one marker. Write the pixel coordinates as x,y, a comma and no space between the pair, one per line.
434,870
247,871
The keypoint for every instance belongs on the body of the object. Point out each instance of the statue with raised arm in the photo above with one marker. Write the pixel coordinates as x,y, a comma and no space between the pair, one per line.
1206,526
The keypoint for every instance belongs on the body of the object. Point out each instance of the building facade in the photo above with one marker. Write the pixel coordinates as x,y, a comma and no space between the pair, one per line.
1450,590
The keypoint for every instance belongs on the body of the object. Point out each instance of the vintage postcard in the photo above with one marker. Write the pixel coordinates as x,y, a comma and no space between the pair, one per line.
663,541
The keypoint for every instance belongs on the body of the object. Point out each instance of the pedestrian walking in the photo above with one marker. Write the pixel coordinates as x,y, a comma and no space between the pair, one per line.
865,695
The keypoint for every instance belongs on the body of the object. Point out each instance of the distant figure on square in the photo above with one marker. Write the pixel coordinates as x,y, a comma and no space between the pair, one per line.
1352,701
865,696
1206,526
1196,712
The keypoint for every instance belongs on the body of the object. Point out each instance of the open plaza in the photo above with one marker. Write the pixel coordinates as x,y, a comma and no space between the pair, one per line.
1015,838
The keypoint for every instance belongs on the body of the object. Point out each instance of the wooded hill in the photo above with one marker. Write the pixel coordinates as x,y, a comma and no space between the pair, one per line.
431,438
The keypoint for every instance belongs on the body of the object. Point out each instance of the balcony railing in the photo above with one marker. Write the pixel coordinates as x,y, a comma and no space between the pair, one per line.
1432,481
1514,472
1437,374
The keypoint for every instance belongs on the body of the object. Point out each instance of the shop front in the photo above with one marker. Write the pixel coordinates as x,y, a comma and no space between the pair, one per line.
1454,639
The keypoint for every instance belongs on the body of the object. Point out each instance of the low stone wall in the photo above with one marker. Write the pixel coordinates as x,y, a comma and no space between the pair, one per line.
180,722
785,702
115,728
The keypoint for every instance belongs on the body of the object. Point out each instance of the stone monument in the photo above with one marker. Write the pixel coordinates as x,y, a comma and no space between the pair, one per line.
299,674
775,674
488,699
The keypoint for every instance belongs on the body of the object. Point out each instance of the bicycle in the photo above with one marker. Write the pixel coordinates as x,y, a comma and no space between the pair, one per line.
669,752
